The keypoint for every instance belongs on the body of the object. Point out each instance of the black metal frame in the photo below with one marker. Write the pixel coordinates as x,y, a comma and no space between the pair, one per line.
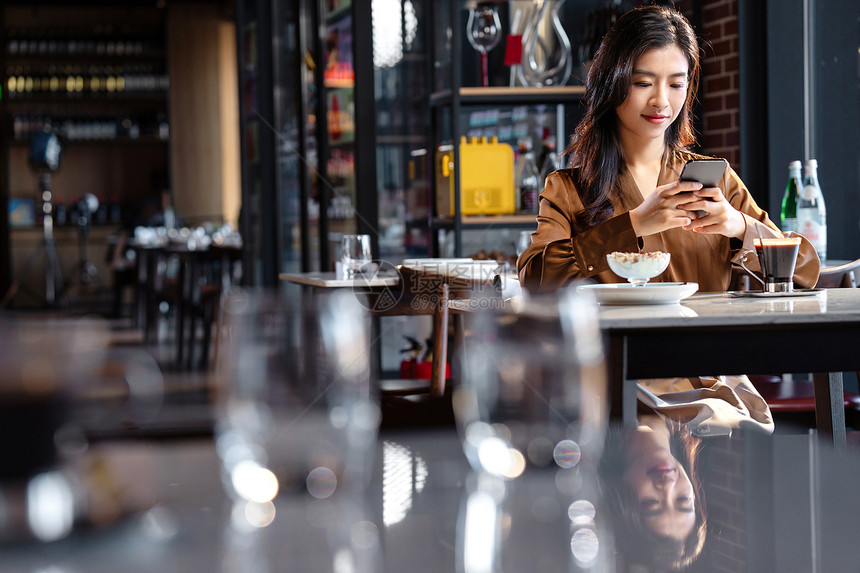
366,195
258,223
5,235
303,29
752,59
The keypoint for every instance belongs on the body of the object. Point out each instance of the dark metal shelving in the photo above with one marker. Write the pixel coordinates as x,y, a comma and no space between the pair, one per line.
510,96
456,97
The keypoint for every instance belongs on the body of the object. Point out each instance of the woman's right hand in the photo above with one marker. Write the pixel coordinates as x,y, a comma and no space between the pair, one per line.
664,208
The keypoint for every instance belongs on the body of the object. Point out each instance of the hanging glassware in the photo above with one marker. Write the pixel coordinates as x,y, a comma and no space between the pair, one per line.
547,58
484,30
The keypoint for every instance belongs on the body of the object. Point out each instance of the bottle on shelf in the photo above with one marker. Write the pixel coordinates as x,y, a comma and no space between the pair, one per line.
811,212
549,160
547,147
527,176
60,214
788,213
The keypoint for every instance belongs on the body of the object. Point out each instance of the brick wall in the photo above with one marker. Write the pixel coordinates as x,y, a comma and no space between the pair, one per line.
723,481
718,91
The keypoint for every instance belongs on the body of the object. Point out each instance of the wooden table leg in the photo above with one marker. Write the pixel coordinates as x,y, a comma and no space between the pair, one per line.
830,406
440,343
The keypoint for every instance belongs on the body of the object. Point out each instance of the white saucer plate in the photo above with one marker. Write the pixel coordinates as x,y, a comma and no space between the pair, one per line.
760,294
653,293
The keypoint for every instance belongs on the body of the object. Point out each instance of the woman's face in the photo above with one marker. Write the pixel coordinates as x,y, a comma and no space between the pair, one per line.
657,94
662,488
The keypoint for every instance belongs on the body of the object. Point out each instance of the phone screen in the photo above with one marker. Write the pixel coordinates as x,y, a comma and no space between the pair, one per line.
708,172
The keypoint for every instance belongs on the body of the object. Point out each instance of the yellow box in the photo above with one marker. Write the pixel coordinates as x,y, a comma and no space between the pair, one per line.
486,182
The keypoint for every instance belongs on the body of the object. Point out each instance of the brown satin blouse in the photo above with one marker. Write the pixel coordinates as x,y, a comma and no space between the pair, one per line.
562,251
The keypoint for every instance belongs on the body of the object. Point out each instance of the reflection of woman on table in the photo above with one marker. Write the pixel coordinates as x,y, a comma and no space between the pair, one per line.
654,499
622,194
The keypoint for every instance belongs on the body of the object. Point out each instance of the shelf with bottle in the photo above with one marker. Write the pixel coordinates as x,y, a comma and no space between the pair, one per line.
488,221
340,116
66,212
338,67
395,139
495,95
93,128
34,45
147,140
74,81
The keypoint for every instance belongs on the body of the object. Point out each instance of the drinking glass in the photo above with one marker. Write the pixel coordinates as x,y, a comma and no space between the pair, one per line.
531,412
523,241
534,387
777,257
49,366
484,31
295,412
355,254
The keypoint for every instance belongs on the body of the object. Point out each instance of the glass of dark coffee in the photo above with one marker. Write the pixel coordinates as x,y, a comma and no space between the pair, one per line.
777,257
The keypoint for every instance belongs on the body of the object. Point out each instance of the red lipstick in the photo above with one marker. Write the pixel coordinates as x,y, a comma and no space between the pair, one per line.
655,118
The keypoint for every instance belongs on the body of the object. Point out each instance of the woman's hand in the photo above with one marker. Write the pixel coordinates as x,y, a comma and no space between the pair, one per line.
669,206
719,217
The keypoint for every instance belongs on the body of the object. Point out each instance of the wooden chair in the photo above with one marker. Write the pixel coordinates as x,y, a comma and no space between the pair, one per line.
427,293
205,276
410,403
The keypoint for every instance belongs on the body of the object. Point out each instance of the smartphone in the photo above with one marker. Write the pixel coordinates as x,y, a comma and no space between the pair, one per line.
708,172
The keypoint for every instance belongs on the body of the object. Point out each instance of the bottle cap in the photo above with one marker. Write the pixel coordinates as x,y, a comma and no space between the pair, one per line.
794,165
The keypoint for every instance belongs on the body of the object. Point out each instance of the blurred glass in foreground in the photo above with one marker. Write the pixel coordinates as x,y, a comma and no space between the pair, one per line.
534,385
531,413
296,416
295,408
45,364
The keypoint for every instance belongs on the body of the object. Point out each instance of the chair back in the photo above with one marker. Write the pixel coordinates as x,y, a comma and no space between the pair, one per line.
841,276
740,280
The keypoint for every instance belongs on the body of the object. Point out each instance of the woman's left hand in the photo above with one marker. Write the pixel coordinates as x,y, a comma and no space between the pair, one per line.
719,217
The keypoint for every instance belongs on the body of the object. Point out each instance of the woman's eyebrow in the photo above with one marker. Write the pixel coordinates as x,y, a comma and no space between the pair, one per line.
652,74
655,512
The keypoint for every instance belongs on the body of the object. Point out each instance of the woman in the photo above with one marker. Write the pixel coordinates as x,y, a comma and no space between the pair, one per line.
622,194
654,498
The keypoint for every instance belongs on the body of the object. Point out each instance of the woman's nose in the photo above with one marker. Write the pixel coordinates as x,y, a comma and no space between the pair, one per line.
663,478
659,100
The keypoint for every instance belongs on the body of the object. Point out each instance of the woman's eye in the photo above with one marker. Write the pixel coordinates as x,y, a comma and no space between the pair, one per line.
649,503
679,86
684,499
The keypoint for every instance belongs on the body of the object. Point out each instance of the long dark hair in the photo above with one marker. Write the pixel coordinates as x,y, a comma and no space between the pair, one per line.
596,151
635,543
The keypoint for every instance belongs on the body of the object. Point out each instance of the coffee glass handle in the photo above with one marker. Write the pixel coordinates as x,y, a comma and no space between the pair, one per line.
744,254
